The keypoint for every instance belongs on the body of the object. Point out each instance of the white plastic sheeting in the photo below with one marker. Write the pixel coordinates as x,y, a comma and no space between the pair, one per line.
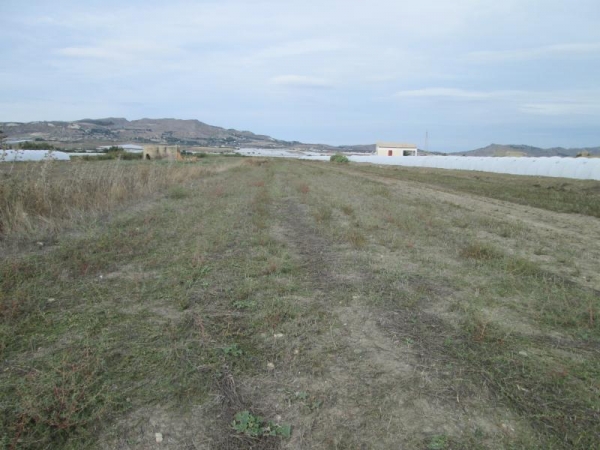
32,155
579,168
277,153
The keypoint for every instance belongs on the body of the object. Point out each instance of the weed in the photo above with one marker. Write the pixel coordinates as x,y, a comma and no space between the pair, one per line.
323,213
355,237
233,350
308,401
482,252
256,426
437,442
244,304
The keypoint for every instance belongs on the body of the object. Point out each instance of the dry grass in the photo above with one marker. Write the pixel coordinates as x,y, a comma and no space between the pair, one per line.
39,198
389,318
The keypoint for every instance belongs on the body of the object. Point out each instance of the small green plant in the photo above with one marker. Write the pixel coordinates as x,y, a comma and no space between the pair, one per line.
437,442
244,304
301,395
339,158
310,402
256,426
232,350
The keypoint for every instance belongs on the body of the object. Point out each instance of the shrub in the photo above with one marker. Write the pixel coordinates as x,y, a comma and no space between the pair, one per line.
339,158
28,145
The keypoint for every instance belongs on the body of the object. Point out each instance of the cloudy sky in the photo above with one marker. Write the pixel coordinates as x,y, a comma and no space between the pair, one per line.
470,72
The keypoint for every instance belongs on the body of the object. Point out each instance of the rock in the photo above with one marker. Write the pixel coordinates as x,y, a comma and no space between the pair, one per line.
523,353
159,437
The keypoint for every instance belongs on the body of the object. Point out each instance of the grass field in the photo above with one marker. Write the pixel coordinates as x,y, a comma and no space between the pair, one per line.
250,303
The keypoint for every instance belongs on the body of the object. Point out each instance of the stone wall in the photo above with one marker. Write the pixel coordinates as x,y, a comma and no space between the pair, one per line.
161,152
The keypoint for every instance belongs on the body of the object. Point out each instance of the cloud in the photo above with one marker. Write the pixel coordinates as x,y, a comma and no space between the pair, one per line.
548,51
129,50
541,103
301,81
299,47
565,108
452,94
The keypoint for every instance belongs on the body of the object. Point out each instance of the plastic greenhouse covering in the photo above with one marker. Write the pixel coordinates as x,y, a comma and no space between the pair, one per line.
580,168
32,155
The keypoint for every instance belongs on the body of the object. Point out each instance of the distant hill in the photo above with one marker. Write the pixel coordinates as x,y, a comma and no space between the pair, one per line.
119,130
526,150
91,133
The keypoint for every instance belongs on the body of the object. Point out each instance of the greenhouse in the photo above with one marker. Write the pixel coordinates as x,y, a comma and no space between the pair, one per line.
33,155
579,168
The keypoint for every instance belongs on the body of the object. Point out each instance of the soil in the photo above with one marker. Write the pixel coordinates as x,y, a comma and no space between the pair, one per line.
374,380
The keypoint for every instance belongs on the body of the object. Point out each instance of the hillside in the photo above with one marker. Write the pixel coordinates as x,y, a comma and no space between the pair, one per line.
116,130
526,150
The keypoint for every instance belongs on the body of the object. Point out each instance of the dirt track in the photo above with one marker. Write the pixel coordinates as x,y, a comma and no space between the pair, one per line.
578,233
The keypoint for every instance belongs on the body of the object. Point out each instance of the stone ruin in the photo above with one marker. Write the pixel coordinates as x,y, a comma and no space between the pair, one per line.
171,152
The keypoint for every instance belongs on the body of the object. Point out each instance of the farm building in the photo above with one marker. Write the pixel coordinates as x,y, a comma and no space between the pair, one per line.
395,149
171,152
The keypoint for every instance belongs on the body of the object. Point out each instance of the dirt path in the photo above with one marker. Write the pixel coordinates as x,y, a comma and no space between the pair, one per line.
378,389
579,234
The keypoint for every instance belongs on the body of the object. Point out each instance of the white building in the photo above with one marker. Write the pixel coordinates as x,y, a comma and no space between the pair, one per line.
395,149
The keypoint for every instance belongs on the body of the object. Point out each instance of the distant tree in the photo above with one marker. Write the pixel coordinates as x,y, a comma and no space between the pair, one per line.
339,158
36,146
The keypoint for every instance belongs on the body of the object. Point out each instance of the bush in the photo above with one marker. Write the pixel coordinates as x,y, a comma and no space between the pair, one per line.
28,145
339,158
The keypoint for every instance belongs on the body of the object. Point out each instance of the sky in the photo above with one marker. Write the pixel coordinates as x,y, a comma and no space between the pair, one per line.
466,72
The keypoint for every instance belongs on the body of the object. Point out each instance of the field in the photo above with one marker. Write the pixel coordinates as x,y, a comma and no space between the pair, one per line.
240,303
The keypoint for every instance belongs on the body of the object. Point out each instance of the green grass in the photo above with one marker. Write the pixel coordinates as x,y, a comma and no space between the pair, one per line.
261,299
554,194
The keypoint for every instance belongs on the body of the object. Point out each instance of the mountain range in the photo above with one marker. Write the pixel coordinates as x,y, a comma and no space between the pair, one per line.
90,133
527,150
